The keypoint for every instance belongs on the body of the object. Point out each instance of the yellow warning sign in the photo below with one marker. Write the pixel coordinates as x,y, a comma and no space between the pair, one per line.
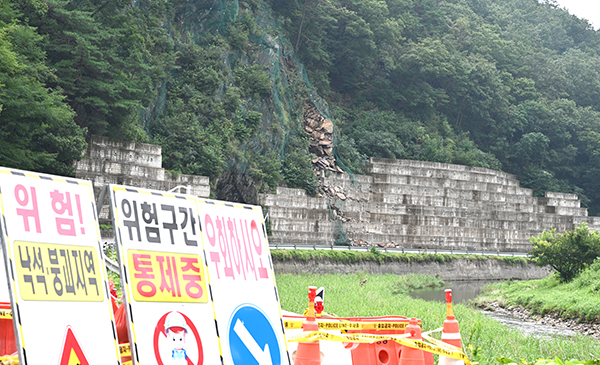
72,354
167,277
58,272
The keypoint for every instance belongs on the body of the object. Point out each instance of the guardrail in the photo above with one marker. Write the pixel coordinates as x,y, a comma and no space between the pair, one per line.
398,250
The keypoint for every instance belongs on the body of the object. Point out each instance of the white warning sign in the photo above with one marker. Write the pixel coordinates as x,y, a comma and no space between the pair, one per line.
160,249
55,266
243,285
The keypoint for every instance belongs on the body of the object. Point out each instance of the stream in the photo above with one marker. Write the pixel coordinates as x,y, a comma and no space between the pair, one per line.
463,291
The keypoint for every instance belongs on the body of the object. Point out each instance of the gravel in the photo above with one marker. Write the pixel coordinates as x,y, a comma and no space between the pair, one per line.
552,320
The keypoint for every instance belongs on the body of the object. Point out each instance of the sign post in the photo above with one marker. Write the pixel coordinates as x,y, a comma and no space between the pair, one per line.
171,315
55,269
241,276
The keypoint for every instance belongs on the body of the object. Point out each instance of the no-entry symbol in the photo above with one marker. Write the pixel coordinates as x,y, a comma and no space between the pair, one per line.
177,341
72,354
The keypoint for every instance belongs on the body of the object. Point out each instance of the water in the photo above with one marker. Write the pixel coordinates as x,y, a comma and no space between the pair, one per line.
529,328
463,291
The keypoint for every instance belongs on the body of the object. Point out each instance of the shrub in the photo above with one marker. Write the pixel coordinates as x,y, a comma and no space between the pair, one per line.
568,253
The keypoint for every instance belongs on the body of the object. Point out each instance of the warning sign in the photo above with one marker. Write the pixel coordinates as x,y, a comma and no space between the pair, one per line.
72,354
242,282
55,263
58,272
166,277
160,249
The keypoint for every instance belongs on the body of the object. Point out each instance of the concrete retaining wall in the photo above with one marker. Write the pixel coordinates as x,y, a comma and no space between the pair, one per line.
418,204
459,269
398,203
132,164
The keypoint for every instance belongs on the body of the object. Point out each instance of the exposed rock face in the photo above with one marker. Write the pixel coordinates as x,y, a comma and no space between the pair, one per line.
399,203
320,130
236,187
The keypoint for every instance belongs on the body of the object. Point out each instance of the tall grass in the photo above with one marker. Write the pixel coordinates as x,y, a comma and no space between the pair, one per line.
578,299
484,339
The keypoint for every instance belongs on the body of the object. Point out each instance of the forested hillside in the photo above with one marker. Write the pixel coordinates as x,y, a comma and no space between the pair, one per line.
512,85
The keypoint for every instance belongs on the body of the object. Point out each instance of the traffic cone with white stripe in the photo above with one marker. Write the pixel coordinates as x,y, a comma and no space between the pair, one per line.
450,333
309,353
409,355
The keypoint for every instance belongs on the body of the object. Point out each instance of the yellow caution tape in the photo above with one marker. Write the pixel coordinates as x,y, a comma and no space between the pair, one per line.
436,346
323,314
124,349
325,325
9,360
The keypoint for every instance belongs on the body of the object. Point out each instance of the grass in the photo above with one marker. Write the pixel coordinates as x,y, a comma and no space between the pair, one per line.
483,338
578,299
375,255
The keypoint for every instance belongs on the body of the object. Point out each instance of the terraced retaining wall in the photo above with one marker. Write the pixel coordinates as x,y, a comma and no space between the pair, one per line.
398,203
132,164
417,204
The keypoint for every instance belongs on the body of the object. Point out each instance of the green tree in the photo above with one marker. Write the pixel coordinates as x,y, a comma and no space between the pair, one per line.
297,169
194,130
568,253
101,60
37,131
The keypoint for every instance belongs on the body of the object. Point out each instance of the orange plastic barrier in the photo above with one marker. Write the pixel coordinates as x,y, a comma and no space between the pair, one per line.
8,343
380,352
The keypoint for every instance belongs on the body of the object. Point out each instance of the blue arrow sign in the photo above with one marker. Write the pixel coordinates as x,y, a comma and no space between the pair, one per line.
252,339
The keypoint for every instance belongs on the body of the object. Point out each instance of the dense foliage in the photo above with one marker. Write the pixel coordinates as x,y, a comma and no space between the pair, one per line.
568,253
508,84
37,130
504,84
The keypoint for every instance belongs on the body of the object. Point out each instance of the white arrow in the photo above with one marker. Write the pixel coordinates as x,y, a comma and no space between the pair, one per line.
262,356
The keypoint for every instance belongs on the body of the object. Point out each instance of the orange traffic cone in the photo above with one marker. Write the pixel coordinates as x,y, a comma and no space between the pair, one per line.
450,333
428,358
309,353
409,355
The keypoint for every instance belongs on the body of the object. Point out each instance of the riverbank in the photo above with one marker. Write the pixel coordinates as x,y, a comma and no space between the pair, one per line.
443,266
578,300
484,339
573,305
553,320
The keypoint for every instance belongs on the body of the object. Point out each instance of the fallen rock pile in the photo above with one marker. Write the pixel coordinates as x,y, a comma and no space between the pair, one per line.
320,130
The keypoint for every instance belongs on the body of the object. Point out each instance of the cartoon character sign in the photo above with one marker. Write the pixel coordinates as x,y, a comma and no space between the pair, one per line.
177,341
176,329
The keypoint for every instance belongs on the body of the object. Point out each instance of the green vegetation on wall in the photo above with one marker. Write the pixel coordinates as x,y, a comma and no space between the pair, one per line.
374,255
